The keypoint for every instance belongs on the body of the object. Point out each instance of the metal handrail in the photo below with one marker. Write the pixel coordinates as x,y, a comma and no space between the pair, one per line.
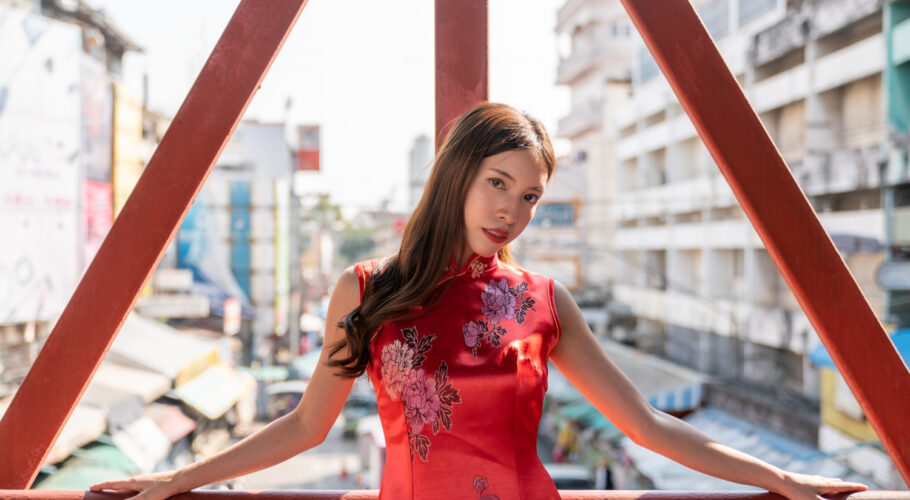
373,495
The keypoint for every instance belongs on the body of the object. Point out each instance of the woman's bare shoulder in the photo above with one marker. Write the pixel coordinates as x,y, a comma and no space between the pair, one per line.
347,287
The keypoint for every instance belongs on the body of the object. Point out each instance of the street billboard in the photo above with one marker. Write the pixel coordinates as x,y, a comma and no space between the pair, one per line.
127,166
308,147
40,145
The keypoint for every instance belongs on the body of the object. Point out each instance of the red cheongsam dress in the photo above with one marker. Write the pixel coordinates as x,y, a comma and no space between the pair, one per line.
460,387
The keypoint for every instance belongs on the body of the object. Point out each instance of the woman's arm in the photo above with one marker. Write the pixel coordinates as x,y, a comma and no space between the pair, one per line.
583,361
304,428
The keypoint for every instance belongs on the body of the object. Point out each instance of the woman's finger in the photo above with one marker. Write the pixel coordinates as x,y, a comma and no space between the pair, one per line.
843,487
112,485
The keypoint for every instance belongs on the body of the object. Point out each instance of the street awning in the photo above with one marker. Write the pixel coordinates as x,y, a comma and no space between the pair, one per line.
146,384
214,391
591,418
120,408
143,442
151,345
759,442
89,465
170,420
667,386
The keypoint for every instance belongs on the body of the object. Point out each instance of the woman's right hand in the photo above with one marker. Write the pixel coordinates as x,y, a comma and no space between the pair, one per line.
154,486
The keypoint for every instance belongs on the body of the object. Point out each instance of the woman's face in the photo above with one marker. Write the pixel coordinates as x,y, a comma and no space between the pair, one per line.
501,200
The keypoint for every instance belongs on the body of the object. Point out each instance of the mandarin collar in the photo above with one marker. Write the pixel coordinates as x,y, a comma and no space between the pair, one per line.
474,267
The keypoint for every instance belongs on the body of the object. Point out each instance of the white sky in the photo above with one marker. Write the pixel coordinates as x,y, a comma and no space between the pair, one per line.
361,69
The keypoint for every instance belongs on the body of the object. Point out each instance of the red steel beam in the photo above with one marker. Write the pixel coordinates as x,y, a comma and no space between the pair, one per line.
140,235
782,216
462,59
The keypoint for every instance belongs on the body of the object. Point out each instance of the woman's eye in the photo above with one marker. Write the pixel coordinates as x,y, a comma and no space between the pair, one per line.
497,183
532,198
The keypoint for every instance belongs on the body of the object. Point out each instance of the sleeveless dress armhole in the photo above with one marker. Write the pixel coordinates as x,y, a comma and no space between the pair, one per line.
551,295
361,278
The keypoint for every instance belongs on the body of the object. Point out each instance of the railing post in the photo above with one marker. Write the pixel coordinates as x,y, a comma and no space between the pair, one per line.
140,235
462,59
782,216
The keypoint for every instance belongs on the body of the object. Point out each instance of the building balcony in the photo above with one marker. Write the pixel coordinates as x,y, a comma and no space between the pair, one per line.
823,16
582,12
599,57
585,117
768,326
739,233
858,60
839,171
730,234
687,196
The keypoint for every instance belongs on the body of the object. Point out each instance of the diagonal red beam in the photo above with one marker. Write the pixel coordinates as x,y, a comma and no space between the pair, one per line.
140,235
782,216
462,59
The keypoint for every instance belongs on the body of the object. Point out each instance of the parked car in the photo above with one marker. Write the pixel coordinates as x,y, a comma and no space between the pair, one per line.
571,476
282,397
357,406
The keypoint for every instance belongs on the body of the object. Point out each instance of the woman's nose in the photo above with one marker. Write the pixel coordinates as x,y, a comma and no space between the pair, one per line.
505,214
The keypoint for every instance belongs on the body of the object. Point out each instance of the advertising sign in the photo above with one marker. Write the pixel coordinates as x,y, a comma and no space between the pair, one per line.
308,147
39,165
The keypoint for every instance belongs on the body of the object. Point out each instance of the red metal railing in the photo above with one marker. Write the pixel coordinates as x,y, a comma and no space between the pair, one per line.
373,495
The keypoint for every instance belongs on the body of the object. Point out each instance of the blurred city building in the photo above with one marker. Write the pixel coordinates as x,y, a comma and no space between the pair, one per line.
420,162
74,138
689,279
571,225
68,135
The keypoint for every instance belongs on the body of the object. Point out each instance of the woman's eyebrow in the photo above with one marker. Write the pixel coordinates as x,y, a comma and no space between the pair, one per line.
506,174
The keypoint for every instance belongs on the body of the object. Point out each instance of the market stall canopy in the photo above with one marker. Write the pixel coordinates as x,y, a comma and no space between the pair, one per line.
724,428
667,386
146,384
92,464
151,345
214,391
120,408
144,442
85,424
171,421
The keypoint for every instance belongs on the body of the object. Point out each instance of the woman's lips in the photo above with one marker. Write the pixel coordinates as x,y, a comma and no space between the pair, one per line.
495,235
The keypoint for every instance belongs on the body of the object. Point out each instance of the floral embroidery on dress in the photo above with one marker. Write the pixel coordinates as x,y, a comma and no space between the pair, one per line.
481,484
427,399
500,302
477,268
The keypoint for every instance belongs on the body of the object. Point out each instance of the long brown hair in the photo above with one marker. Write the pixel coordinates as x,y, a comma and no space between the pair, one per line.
436,228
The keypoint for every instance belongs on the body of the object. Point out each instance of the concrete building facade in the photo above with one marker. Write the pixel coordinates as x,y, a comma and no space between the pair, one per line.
703,289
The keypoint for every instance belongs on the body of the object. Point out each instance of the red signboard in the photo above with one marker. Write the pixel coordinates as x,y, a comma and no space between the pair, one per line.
308,147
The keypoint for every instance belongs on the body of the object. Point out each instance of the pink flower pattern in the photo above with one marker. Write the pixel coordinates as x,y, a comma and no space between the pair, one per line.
500,302
480,485
472,332
427,400
397,359
421,402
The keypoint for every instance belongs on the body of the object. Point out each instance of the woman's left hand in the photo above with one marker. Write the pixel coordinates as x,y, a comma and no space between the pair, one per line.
798,486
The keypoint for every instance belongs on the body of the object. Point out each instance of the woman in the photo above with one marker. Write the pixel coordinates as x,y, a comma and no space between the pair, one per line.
456,339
